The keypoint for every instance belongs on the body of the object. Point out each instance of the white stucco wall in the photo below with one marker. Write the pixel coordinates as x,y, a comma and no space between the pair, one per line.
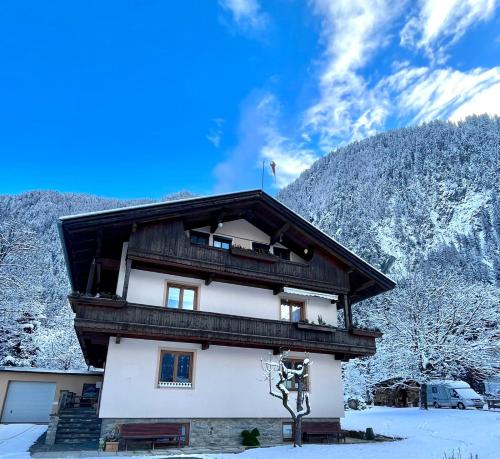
121,273
228,383
148,288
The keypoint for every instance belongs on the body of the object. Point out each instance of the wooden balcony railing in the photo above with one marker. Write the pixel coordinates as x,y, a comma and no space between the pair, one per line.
119,318
168,245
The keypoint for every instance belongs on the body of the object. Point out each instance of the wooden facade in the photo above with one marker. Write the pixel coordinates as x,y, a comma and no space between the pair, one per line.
97,319
166,244
157,237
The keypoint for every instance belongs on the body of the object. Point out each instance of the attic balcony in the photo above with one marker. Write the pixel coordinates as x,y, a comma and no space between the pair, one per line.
97,319
166,246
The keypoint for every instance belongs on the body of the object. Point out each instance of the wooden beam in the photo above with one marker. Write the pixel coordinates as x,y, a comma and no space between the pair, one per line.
209,279
278,290
128,268
99,244
215,222
364,286
276,351
277,235
90,280
346,302
205,346
118,338
98,269
108,263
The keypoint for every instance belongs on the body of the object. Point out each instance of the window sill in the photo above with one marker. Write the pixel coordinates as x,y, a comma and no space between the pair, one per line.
186,385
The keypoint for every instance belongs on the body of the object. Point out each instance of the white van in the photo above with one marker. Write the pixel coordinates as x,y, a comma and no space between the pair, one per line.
453,394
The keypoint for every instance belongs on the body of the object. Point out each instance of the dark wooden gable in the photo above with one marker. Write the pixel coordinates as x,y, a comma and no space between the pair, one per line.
166,246
98,238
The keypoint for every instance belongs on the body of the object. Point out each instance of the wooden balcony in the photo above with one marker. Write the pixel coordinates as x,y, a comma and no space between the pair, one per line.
167,246
97,319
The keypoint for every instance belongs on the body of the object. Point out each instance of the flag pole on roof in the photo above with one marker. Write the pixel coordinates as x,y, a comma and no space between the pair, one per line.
273,168
262,179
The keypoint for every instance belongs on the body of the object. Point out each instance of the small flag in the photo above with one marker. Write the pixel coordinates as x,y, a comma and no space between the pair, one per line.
273,167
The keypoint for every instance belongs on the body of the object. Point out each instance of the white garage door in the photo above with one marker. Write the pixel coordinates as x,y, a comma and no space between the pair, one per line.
28,401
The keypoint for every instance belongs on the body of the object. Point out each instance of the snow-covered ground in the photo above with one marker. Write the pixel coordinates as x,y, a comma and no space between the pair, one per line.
15,439
428,435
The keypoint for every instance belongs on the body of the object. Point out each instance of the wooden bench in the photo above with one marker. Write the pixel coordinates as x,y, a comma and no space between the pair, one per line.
152,432
326,430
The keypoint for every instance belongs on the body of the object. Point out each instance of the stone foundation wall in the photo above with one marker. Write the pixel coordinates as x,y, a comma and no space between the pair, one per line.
219,431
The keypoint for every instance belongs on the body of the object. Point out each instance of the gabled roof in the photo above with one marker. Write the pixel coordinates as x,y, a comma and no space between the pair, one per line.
79,232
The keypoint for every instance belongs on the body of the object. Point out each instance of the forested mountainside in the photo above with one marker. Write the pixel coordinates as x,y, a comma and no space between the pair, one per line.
421,204
36,322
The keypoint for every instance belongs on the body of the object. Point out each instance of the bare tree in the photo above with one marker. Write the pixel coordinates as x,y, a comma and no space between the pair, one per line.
19,305
280,375
15,241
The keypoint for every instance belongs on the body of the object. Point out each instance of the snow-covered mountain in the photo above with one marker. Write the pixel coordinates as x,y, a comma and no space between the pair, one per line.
421,204
397,196
35,319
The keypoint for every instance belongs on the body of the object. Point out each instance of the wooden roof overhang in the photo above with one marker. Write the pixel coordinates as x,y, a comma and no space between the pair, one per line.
97,319
104,232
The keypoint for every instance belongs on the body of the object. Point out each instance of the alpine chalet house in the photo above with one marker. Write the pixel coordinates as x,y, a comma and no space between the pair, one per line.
180,301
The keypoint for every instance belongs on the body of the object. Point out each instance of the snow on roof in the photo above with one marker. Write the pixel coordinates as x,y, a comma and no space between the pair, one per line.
298,291
450,382
151,204
50,370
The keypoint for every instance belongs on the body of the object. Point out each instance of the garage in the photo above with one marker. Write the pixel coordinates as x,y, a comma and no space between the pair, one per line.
32,394
28,401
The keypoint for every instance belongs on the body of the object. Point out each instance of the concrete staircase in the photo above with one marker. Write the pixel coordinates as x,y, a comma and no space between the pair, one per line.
78,426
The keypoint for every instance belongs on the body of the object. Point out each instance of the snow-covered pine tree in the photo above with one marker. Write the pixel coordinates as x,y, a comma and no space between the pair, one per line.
421,204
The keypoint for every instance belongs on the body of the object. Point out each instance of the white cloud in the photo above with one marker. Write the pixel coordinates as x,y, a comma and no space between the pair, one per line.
214,135
351,105
246,13
259,138
440,23
352,31
424,93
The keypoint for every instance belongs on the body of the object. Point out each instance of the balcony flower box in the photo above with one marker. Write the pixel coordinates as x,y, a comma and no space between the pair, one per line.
307,326
249,253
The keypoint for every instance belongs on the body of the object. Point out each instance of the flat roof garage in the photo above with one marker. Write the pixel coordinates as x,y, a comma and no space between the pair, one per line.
31,395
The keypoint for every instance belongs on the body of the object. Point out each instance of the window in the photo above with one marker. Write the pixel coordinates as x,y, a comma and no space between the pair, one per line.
199,238
222,242
260,248
181,297
292,384
287,431
292,310
176,369
284,254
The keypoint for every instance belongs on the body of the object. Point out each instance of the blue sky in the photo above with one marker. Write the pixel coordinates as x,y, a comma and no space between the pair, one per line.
140,99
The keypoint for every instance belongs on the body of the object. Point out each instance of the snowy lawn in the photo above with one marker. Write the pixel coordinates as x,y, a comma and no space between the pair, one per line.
15,439
428,435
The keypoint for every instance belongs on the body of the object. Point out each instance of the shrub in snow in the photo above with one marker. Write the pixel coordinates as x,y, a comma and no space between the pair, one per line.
250,437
